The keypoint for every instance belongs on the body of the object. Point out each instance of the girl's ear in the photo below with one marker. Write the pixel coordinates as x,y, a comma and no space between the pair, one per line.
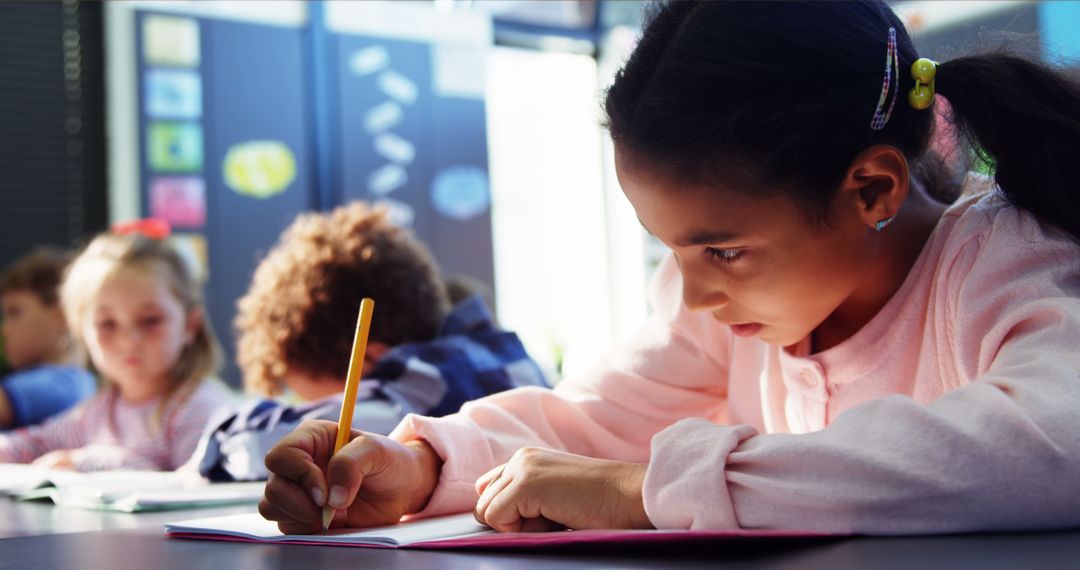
375,352
876,184
194,323
56,315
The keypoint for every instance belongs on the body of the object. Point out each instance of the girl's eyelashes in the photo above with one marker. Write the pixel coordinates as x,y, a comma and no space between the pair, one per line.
148,322
106,325
724,255
143,322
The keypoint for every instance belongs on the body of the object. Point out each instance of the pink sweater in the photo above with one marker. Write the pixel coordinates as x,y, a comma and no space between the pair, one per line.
112,434
956,408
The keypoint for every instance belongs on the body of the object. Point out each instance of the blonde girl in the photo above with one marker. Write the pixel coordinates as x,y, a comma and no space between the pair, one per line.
135,306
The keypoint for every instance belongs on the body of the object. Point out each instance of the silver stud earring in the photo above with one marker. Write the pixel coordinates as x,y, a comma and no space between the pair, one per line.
882,224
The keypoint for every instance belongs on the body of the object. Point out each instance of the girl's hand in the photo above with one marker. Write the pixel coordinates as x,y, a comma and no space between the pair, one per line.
59,459
372,481
541,489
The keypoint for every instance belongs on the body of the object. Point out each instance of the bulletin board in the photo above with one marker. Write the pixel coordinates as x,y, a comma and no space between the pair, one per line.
227,146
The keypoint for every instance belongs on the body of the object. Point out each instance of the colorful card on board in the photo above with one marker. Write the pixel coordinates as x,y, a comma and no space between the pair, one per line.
173,94
175,147
171,41
179,200
259,169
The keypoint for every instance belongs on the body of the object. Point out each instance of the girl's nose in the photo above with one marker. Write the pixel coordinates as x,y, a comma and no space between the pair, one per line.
700,295
131,336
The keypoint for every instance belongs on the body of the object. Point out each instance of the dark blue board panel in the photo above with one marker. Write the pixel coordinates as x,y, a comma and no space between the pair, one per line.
256,92
460,140
447,135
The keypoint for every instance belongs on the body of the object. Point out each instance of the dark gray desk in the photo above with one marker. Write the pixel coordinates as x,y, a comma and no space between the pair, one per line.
139,544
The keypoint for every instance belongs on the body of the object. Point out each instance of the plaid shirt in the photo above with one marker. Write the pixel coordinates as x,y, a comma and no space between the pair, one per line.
470,359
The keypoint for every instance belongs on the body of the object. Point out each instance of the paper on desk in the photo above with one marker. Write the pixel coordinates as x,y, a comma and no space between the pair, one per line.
455,532
252,527
128,491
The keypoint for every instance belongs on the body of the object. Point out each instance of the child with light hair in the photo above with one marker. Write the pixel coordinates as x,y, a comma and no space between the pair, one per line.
133,304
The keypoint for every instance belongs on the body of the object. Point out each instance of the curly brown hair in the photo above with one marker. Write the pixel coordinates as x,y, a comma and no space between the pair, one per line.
300,311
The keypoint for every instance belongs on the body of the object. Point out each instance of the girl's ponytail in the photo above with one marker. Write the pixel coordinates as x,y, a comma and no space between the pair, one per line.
1025,118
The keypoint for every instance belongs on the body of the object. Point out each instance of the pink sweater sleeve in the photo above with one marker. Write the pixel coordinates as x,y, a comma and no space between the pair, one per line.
69,430
673,369
1001,453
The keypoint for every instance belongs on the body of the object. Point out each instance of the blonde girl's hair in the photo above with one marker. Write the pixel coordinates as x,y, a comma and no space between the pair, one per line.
109,254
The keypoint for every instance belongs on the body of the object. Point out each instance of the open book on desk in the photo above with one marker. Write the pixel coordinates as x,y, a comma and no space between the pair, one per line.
126,491
459,531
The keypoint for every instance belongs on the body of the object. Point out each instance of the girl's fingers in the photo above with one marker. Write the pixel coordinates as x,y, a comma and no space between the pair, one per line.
291,499
508,510
285,522
491,491
484,480
347,469
295,458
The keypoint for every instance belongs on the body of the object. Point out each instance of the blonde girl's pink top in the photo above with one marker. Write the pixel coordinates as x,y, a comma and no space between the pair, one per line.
956,408
112,434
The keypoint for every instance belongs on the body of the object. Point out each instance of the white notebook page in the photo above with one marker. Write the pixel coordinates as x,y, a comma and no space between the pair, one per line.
253,526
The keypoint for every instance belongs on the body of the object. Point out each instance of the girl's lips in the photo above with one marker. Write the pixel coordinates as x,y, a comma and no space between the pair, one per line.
746,329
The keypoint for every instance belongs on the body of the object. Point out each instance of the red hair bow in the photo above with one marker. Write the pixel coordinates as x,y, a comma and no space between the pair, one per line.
153,228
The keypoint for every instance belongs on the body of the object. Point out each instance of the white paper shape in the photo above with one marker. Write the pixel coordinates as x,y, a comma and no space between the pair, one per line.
369,60
394,148
398,87
383,117
386,179
400,213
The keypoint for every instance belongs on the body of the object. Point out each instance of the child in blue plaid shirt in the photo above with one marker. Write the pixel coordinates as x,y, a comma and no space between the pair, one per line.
295,326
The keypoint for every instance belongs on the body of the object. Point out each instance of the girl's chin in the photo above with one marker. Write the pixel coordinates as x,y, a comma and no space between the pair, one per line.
132,390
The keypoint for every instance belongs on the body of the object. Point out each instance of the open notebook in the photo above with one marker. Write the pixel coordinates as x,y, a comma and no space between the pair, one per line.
127,491
451,532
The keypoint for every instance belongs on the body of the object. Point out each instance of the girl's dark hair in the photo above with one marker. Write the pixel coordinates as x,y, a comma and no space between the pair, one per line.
39,272
782,94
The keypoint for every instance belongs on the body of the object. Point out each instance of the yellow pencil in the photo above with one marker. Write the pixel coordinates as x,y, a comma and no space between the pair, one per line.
352,382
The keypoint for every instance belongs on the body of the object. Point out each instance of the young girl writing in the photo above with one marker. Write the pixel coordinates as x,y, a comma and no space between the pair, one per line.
134,305
831,348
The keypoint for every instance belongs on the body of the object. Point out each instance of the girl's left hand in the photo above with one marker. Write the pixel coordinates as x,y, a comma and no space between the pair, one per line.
59,459
542,489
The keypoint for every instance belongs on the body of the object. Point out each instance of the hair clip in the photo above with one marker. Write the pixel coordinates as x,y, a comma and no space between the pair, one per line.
892,79
153,228
922,95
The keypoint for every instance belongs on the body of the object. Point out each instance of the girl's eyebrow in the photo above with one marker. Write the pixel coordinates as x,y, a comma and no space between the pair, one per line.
705,237
700,237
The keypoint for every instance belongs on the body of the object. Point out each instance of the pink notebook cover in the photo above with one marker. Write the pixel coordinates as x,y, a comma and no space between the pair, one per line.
551,540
